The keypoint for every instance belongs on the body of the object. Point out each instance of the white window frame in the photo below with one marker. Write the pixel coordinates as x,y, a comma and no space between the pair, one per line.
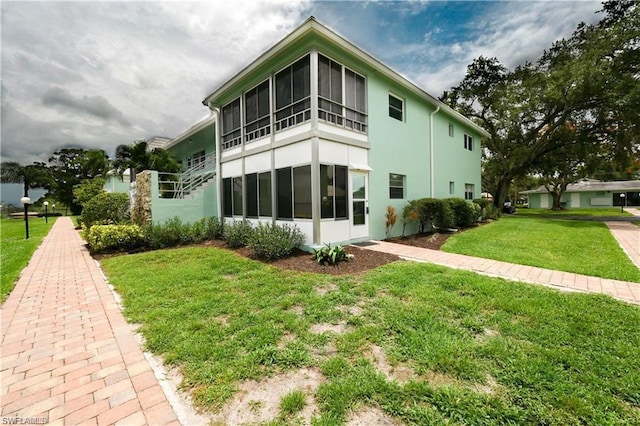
403,186
469,189
402,109
468,142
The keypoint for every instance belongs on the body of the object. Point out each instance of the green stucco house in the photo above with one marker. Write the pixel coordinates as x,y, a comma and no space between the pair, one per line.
589,193
318,133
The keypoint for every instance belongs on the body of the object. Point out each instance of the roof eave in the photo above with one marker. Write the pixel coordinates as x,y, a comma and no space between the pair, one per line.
311,24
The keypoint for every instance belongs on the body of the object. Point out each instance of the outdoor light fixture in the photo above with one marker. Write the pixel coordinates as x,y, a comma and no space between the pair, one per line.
46,212
622,204
26,201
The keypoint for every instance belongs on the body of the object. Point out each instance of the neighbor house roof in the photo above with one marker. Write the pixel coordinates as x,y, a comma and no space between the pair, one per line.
312,26
591,185
157,142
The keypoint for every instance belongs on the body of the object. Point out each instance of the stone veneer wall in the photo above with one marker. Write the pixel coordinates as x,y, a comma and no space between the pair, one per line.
141,207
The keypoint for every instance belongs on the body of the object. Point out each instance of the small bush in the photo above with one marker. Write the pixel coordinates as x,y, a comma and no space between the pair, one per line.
489,210
237,233
390,218
270,242
213,228
292,403
328,255
464,214
434,211
103,238
107,208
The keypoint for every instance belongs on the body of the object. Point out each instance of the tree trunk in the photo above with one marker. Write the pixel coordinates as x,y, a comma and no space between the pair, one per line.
501,191
556,195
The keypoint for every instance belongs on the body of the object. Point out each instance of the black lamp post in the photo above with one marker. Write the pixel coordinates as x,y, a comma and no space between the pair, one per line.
26,201
622,196
46,212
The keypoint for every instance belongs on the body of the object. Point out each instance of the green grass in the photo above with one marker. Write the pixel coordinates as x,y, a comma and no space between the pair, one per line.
15,250
505,352
603,211
292,403
582,247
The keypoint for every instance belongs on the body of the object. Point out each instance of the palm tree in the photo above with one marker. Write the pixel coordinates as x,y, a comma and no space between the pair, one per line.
31,176
138,157
97,163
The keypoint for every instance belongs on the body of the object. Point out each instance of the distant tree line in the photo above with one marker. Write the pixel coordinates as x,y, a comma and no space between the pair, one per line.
67,168
570,115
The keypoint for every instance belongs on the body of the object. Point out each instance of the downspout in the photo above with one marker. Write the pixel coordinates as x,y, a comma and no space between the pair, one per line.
216,111
432,173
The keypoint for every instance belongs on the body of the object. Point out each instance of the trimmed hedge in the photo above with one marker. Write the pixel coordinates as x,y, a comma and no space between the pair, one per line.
464,214
107,208
433,211
103,238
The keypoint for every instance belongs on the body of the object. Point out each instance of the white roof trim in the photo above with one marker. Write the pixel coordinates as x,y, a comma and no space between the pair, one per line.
191,130
311,24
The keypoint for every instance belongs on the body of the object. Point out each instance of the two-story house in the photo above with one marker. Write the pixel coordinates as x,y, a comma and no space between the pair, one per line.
318,133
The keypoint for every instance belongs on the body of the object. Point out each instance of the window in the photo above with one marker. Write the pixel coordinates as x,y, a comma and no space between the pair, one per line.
302,192
293,91
256,112
227,200
264,194
349,112
333,192
231,125
237,196
284,194
450,130
396,107
396,186
468,191
251,194
196,159
468,142
452,187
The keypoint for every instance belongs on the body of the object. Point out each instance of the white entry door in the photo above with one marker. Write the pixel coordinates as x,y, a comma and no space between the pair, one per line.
359,205
575,200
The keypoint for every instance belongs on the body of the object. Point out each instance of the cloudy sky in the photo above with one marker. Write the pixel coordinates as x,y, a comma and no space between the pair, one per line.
97,75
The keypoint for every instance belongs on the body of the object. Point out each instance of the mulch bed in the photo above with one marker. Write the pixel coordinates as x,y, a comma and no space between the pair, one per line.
364,260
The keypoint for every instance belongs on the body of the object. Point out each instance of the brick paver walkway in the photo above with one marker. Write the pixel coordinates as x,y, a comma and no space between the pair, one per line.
622,290
68,355
628,236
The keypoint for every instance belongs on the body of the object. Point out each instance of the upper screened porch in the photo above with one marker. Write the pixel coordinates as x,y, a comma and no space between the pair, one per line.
313,91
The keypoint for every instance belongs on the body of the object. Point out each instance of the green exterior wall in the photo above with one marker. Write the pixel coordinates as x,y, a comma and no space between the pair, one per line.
586,199
189,210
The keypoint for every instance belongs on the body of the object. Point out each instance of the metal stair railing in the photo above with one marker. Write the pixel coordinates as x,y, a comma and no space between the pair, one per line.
179,185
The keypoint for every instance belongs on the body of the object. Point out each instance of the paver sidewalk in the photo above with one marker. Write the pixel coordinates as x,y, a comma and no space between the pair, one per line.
626,291
628,236
68,355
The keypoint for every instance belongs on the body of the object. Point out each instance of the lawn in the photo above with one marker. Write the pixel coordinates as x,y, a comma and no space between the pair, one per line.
602,211
583,247
412,342
15,250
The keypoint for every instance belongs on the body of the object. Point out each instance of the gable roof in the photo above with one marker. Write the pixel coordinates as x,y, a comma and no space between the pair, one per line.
312,26
590,185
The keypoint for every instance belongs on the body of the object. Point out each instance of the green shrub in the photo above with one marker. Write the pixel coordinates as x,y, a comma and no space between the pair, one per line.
464,214
103,238
213,228
489,210
409,215
270,242
87,189
433,211
107,208
237,233
329,255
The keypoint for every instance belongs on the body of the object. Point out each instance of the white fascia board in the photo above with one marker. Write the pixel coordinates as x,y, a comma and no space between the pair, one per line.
311,24
192,130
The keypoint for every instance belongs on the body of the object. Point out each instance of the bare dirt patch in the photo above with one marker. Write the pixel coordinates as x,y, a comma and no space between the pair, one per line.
259,401
371,416
400,373
325,289
354,310
324,327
